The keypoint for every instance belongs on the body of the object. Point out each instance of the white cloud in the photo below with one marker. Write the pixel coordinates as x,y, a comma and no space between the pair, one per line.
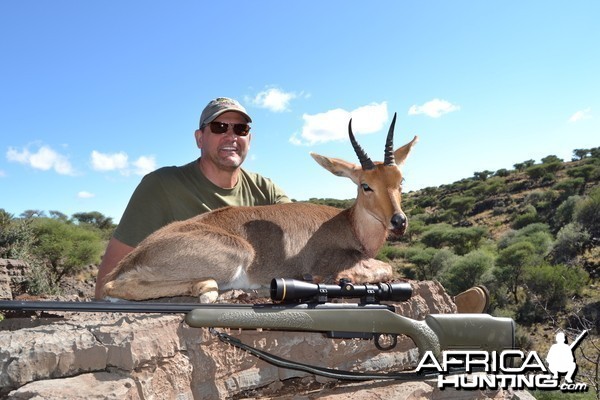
333,125
120,162
434,108
144,165
85,195
581,114
44,159
109,162
273,99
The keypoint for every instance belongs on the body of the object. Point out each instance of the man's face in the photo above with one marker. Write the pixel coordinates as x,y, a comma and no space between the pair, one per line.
226,150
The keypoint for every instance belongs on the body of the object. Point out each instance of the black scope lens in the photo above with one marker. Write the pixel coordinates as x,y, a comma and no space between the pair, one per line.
295,290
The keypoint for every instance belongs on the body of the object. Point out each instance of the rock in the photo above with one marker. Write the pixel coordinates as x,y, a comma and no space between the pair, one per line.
12,277
143,356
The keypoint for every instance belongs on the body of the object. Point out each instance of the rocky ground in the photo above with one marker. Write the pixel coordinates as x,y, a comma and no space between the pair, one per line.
141,356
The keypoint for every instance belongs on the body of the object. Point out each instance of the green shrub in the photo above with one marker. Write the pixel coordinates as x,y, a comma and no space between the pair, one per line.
65,248
554,284
587,213
570,187
16,236
467,271
461,240
388,253
564,212
571,241
526,217
502,172
511,264
586,172
461,204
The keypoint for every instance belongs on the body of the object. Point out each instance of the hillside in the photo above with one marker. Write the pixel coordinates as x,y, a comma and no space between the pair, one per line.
530,235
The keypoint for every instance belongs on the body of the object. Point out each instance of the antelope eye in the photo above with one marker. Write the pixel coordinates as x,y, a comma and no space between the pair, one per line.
366,187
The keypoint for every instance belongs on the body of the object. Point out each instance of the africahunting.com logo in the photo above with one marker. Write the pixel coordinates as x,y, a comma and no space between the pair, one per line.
499,372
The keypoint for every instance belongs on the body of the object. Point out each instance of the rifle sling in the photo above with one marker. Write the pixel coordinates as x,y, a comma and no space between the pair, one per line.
326,372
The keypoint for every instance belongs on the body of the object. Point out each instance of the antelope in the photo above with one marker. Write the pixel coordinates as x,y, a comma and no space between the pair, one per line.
245,247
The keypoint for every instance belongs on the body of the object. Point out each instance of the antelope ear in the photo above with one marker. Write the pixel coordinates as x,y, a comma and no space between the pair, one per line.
338,167
402,153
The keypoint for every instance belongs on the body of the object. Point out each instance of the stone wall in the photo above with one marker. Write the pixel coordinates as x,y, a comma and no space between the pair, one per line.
150,356
12,277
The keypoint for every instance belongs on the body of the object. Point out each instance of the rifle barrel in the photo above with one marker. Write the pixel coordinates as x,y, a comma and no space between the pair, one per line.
98,306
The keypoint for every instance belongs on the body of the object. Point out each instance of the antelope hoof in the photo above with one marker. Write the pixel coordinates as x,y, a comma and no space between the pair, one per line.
209,297
207,291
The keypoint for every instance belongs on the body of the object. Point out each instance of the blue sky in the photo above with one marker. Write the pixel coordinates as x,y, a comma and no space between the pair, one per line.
95,94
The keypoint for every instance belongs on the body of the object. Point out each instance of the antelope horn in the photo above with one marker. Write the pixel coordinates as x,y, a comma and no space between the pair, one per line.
389,145
364,159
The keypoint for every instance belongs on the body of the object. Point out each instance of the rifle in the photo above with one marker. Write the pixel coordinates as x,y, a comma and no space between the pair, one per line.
302,306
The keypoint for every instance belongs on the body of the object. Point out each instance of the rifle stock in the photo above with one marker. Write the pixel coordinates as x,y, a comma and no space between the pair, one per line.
437,332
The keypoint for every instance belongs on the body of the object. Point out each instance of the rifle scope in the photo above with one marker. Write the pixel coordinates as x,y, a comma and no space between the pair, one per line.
292,290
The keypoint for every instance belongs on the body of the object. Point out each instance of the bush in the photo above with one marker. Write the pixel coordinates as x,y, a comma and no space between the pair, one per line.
544,172
467,271
64,248
462,240
527,217
512,262
442,261
461,205
571,241
565,211
388,253
584,172
587,213
570,187
537,234
524,165
553,284
502,172
16,236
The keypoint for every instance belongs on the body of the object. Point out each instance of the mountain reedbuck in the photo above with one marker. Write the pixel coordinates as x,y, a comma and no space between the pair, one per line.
245,247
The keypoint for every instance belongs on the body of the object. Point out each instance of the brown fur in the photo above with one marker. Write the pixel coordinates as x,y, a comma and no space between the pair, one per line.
199,255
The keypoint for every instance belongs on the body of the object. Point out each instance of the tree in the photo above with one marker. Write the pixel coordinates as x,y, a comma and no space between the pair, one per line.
502,172
58,215
551,159
33,214
511,264
482,175
580,154
65,248
524,165
94,218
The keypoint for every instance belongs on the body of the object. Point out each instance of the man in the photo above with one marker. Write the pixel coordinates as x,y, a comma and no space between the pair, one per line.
214,180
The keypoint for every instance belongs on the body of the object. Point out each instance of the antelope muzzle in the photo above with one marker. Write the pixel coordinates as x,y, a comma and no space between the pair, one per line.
399,224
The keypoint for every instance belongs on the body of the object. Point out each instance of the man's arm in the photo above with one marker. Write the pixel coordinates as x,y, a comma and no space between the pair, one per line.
115,251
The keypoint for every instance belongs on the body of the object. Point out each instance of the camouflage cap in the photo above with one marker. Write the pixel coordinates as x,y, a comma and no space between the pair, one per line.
219,106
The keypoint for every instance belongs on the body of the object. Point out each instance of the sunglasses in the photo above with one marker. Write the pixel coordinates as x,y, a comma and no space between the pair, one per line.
222,127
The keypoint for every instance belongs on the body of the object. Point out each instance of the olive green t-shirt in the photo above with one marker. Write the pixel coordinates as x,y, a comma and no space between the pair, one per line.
177,193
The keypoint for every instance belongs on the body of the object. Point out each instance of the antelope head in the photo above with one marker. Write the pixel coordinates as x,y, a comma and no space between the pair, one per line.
379,183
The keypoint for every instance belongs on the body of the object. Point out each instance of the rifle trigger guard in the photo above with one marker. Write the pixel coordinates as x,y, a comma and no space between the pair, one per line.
393,339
